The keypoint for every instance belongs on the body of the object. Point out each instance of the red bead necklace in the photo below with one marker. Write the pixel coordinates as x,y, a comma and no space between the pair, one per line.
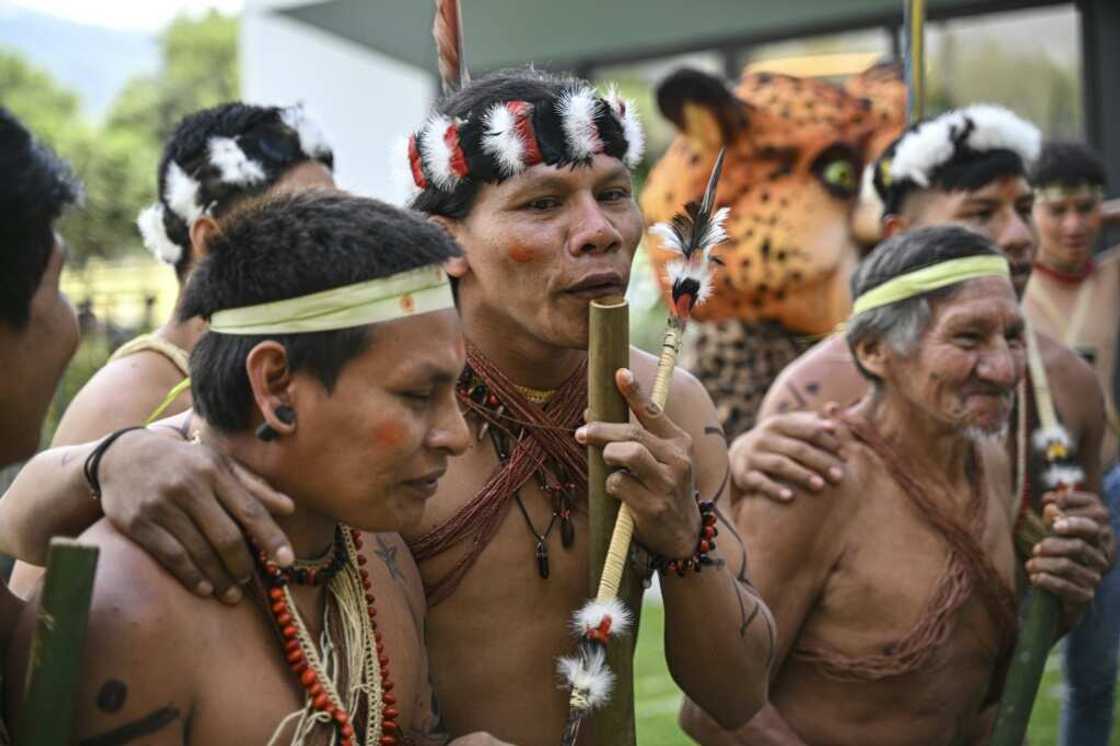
382,728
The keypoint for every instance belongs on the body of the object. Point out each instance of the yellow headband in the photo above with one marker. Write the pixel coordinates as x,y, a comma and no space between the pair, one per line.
1055,192
405,294
931,278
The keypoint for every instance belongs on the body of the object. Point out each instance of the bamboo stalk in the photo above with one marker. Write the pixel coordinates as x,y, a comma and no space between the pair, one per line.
914,54
54,670
609,350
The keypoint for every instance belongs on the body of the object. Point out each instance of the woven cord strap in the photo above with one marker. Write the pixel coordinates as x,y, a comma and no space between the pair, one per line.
179,357
546,434
172,395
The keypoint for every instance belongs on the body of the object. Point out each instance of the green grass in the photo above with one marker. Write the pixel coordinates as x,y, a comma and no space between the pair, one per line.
658,699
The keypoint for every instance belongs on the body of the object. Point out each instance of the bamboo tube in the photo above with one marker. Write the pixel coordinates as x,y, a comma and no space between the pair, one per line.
609,350
1040,626
54,670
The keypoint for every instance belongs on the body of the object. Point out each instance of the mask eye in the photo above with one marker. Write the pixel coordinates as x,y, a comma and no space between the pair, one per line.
838,168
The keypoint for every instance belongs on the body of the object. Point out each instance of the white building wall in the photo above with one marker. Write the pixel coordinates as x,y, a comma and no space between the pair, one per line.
365,102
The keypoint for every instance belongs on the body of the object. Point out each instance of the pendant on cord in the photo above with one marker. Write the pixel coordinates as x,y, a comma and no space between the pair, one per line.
542,558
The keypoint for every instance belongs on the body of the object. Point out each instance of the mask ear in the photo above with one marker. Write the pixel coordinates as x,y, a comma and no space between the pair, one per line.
702,108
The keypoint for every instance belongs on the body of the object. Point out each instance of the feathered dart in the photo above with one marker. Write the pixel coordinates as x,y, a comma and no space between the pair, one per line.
692,234
447,28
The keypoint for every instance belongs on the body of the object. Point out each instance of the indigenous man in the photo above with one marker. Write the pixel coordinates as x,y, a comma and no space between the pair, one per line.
894,596
1075,298
311,375
531,174
38,328
216,158
968,167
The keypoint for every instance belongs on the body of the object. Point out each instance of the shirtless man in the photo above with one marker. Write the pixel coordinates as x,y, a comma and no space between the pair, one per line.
38,328
979,182
352,412
1075,298
547,221
894,594
215,159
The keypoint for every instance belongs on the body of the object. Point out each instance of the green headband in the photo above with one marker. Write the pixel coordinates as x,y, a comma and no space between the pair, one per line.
409,293
1058,191
930,278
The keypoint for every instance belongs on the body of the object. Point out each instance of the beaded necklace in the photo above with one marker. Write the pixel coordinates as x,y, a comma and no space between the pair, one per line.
369,703
553,478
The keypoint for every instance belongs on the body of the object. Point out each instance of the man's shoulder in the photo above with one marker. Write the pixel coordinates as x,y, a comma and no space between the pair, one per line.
825,372
123,392
1077,392
686,388
131,587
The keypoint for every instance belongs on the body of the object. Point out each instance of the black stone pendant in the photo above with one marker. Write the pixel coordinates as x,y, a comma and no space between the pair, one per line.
542,559
567,530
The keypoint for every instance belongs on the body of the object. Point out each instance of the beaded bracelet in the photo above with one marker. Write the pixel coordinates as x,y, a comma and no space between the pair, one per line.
707,542
92,464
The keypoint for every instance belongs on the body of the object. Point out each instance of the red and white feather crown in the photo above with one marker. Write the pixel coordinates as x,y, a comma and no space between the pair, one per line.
511,136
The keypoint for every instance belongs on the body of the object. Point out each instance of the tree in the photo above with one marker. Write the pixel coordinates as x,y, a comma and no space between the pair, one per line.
117,161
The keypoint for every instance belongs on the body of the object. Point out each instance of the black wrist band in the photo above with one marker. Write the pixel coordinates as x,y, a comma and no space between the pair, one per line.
93,460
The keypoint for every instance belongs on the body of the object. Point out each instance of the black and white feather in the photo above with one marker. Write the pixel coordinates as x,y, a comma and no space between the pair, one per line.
692,235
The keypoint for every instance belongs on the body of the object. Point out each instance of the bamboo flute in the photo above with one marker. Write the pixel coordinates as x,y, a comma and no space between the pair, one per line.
609,350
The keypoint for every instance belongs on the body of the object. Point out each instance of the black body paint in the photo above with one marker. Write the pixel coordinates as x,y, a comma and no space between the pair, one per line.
154,722
388,555
111,696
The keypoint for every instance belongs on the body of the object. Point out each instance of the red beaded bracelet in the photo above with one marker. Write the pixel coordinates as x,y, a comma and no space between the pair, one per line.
699,558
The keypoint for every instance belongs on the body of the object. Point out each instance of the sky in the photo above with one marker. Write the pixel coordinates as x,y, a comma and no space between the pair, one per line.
132,15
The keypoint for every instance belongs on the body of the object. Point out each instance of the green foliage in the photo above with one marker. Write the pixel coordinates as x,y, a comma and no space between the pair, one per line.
117,161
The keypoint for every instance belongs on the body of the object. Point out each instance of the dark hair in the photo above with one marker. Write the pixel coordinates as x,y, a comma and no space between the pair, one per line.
903,322
1069,164
518,84
35,188
262,134
286,246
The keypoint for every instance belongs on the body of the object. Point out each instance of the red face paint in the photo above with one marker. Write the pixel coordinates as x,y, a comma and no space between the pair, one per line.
389,434
522,254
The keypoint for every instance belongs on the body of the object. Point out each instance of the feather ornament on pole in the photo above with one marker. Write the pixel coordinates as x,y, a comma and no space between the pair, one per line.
1040,625
447,28
692,234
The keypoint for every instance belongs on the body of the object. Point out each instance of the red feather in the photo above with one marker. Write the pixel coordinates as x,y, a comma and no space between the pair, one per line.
447,28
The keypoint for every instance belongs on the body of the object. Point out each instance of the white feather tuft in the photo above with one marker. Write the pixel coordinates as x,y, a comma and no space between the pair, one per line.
593,612
921,152
400,169
311,139
679,270
626,112
716,233
181,193
1060,475
501,140
436,153
669,238
588,676
998,128
1043,437
154,234
234,166
578,107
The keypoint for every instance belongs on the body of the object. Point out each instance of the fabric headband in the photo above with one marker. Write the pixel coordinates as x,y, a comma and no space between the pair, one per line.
511,136
1055,192
398,296
923,280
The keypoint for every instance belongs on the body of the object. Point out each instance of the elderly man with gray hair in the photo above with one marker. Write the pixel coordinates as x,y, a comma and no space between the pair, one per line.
894,595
